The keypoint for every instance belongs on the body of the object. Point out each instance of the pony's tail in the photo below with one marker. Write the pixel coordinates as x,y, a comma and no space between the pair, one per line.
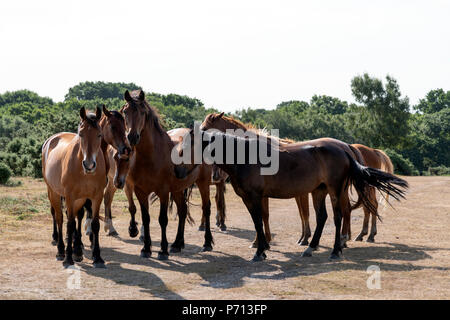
387,166
187,195
360,159
364,177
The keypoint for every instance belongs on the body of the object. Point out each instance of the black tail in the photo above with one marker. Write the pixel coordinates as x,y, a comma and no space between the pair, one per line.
187,195
363,177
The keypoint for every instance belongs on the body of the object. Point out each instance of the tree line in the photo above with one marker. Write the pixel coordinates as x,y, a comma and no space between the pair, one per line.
416,137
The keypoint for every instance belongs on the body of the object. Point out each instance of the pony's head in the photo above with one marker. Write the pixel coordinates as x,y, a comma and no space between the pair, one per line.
221,122
114,133
135,111
122,167
90,134
138,114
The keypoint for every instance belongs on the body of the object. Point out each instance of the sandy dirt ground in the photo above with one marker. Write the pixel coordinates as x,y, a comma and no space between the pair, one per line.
412,252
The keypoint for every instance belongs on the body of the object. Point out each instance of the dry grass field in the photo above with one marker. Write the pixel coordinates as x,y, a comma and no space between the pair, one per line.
412,250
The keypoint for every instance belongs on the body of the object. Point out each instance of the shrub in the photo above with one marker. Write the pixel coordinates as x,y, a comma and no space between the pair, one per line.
5,173
401,164
438,171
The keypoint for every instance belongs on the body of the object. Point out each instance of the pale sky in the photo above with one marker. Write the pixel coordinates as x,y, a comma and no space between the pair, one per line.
229,54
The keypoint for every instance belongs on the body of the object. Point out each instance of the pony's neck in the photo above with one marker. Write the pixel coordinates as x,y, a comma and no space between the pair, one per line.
158,142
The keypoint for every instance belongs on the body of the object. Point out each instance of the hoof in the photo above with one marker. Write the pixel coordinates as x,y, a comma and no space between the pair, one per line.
308,252
201,228
372,240
133,232
77,257
145,254
54,242
60,257
260,257
359,238
141,238
67,263
223,228
175,250
207,248
344,245
334,257
304,243
113,234
163,256
99,265
253,245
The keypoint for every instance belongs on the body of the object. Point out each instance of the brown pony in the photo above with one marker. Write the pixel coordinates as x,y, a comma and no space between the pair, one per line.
151,170
114,144
74,169
377,159
320,167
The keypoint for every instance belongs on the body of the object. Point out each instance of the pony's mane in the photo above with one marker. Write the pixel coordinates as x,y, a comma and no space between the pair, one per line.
259,131
154,115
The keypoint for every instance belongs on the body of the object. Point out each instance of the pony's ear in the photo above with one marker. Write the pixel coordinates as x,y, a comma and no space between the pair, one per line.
83,113
98,113
127,96
106,111
220,115
141,95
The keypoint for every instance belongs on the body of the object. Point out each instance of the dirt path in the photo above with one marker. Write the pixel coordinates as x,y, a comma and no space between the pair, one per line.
412,253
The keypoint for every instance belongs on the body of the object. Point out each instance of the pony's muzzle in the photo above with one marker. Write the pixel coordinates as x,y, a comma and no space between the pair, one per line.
89,167
133,138
119,183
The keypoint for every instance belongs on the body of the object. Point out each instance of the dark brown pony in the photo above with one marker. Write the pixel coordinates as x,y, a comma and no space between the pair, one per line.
74,169
319,167
221,122
151,170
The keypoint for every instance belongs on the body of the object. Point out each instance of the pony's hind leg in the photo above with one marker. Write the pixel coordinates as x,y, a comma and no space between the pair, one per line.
55,228
303,210
220,205
56,205
77,244
203,187
318,196
97,260
163,221
180,202
373,227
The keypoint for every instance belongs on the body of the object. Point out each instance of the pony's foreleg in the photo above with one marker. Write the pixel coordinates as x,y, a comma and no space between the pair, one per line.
203,187
163,220
318,196
265,219
146,251
96,258
180,202
132,229
107,200
220,205
254,205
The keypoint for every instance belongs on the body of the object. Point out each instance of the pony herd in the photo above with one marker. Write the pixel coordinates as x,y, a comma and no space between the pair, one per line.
130,149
